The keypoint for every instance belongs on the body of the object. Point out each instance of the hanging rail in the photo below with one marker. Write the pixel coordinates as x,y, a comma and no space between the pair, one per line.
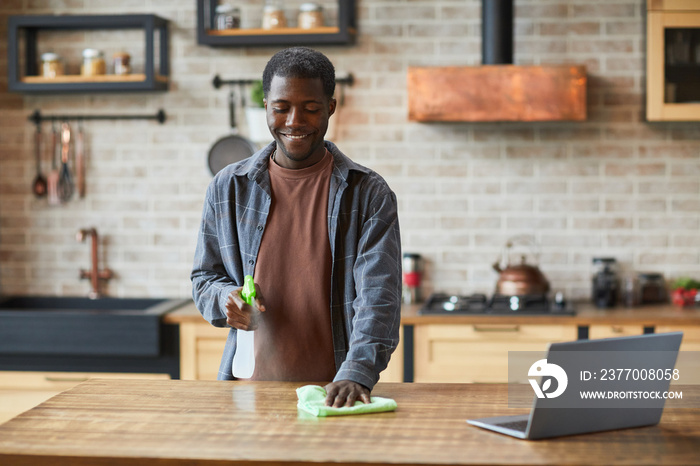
37,117
217,82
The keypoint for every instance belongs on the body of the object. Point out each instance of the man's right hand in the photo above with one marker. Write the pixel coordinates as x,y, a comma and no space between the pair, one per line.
242,315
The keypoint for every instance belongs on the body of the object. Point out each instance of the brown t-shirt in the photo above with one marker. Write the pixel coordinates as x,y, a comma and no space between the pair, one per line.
293,341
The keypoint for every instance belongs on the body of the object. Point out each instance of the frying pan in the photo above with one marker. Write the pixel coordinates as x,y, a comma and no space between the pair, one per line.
231,148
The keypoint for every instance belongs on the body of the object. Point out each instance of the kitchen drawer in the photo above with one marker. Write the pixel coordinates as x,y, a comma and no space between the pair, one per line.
609,331
478,353
688,362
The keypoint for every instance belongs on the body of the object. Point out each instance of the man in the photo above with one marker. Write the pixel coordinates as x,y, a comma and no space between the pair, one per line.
319,233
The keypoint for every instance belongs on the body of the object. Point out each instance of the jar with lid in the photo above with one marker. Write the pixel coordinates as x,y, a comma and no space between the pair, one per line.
310,16
651,288
93,63
227,17
605,282
51,65
121,61
273,15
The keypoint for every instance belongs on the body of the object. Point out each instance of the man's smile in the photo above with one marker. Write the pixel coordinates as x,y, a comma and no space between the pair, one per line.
296,137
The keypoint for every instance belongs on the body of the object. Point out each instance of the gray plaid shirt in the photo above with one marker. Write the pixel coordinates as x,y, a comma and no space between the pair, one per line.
363,229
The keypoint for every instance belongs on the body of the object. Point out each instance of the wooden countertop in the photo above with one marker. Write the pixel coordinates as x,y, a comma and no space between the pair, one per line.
163,422
586,314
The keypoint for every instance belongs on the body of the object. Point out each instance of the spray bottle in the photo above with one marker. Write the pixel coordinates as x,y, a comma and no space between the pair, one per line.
244,358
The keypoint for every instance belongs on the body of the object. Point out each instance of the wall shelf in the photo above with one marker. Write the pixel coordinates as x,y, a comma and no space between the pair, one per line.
673,60
343,33
27,80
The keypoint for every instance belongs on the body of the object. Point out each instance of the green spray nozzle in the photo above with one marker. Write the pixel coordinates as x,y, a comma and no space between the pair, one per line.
248,291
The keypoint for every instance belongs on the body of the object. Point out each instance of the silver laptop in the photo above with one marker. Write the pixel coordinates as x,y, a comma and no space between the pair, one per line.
546,421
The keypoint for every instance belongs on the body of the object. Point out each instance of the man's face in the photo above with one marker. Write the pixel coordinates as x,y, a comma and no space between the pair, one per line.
297,115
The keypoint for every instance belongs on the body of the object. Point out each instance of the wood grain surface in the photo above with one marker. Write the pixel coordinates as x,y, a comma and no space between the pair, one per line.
161,422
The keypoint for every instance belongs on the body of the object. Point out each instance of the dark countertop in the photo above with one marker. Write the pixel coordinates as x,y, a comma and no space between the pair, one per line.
586,314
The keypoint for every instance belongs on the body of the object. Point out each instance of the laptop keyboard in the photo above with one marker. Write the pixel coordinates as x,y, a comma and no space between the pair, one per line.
520,426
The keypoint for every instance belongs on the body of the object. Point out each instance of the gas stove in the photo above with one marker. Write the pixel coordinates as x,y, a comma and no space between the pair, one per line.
479,304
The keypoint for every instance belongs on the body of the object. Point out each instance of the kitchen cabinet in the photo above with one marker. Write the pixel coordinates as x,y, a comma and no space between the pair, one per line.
673,60
23,54
478,353
201,347
20,391
342,33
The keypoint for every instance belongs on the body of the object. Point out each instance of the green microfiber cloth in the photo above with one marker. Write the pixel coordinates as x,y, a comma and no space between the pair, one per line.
312,399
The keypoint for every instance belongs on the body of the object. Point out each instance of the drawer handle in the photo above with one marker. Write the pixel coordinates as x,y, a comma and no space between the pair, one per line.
65,379
617,329
498,328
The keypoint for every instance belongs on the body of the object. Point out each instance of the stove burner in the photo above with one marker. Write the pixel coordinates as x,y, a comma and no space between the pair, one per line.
441,303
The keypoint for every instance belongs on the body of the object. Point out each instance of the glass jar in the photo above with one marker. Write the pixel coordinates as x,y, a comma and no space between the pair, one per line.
273,16
630,291
310,16
51,65
93,63
651,288
605,282
227,17
121,61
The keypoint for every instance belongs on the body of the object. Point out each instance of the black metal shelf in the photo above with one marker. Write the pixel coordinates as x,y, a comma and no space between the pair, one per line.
343,34
31,26
37,117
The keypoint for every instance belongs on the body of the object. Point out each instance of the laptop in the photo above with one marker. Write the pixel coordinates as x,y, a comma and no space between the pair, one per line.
547,420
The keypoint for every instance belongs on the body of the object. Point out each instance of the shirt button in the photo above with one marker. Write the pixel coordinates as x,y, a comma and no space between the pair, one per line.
260,228
251,262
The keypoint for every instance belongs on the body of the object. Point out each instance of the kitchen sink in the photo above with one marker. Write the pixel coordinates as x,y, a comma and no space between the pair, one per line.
80,326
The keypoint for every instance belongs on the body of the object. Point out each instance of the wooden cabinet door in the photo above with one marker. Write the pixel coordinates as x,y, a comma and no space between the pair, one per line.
201,348
478,353
394,371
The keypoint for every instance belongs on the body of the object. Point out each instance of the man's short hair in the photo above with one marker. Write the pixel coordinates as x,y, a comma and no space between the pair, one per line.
300,62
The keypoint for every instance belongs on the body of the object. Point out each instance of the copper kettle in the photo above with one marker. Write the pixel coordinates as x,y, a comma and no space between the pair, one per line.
520,279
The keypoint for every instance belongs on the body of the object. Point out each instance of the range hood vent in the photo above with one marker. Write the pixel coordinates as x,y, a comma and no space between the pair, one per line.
497,90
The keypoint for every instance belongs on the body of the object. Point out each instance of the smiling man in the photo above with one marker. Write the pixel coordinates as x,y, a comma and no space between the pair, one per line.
319,233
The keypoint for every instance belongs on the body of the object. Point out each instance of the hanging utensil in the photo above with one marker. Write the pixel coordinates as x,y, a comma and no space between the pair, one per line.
80,160
231,148
39,186
65,181
54,175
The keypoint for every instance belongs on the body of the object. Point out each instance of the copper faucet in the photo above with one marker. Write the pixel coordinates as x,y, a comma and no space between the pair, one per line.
95,275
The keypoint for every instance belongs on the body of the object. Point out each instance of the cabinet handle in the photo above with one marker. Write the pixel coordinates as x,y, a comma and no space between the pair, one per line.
65,379
496,328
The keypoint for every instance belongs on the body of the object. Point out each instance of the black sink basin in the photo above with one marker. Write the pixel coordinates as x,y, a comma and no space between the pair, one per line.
68,325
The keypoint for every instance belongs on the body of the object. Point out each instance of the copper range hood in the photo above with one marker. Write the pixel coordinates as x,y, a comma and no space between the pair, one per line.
497,90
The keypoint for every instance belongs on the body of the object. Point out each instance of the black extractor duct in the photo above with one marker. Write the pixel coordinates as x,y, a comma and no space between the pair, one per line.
496,32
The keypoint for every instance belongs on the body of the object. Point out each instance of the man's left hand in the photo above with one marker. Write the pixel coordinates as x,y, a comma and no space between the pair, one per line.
345,393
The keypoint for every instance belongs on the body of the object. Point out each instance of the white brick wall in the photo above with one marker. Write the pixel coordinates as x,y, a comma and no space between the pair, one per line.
613,185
